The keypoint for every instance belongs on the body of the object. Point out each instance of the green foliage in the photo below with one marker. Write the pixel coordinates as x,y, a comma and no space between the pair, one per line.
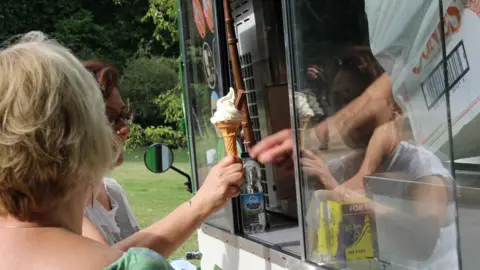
165,134
79,30
143,81
126,33
164,14
140,137
90,28
21,16
170,104
152,88
136,139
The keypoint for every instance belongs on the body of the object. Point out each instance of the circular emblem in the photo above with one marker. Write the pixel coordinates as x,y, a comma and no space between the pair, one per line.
209,65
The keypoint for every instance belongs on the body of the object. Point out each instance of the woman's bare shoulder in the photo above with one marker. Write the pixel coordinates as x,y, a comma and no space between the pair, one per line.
57,249
98,254
89,254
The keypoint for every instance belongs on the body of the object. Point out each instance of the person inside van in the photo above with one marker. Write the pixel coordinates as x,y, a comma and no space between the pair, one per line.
420,235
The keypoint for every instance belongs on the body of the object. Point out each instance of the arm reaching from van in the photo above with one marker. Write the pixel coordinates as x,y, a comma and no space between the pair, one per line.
222,183
371,107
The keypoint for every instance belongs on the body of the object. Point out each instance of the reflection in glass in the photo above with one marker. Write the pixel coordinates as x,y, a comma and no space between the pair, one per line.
158,158
204,88
376,191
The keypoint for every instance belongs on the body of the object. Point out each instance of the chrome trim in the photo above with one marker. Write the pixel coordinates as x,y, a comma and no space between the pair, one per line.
288,23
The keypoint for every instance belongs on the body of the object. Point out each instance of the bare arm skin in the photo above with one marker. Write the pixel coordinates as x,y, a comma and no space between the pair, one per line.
222,183
373,107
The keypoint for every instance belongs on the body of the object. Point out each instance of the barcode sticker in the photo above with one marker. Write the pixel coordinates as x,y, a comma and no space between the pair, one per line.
433,87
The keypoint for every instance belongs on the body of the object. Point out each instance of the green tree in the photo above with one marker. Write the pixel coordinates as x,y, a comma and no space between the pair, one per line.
144,80
170,105
164,14
87,39
91,28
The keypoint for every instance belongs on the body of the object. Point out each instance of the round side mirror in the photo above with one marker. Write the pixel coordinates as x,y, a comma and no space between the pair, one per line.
158,158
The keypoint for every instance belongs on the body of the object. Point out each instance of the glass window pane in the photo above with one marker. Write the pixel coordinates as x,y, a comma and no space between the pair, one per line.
371,123
463,58
261,47
203,69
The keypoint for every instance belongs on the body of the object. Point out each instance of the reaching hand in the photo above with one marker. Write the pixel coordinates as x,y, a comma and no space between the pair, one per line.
222,183
315,166
277,149
351,124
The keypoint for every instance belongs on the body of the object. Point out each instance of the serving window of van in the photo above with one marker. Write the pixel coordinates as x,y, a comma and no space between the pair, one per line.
205,84
374,193
381,102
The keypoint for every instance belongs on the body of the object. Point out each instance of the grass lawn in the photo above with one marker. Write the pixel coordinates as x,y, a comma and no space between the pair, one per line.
153,196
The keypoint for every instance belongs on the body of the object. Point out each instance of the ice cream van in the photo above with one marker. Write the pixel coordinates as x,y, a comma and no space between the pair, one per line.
301,63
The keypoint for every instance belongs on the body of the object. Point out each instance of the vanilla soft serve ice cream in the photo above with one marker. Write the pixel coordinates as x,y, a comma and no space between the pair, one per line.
226,110
227,119
312,102
305,113
303,109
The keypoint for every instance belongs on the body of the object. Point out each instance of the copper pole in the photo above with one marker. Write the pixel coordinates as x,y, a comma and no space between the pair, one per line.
241,98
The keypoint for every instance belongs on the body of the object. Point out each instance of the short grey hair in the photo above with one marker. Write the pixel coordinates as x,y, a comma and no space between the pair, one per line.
54,135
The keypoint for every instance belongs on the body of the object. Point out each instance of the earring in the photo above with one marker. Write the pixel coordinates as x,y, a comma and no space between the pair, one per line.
93,195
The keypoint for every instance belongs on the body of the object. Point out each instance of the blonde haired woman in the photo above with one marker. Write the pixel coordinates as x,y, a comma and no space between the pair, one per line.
55,144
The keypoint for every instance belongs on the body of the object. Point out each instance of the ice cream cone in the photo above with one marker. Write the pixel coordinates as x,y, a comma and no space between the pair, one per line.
302,129
228,130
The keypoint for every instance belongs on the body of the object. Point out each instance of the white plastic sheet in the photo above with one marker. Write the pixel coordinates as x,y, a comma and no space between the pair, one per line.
405,37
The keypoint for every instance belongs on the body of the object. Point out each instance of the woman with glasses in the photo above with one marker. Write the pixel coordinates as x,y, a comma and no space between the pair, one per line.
109,219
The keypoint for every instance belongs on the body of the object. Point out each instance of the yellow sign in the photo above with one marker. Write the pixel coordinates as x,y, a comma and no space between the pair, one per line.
345,231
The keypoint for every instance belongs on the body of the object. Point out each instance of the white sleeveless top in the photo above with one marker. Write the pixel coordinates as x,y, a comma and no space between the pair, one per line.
118,223
416,162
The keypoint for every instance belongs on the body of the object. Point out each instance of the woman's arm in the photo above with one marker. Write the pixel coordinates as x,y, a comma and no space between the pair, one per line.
222,183
170,233
373,106
382,144
164,237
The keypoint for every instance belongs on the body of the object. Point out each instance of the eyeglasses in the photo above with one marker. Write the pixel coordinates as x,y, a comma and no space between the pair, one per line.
124,116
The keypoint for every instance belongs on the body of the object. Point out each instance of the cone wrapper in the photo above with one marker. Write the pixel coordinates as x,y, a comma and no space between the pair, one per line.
302,129
229,130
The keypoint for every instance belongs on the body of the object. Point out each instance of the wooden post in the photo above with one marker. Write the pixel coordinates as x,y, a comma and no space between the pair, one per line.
241,97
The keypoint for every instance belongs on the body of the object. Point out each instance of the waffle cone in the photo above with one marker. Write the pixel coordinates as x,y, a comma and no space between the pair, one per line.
302,130
228,130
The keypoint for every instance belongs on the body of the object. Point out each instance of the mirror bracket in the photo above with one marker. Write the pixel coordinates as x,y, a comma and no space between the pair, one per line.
155,162
189,179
